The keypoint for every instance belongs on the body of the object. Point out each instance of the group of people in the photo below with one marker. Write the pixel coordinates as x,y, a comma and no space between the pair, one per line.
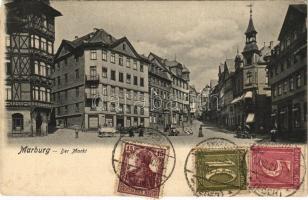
247,131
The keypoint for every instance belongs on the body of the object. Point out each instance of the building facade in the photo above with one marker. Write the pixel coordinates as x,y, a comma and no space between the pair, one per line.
159,89
30,35
100,81
179,92
288,75
255,83
194,103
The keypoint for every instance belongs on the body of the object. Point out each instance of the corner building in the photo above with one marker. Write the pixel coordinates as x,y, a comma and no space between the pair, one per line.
30,35
100,80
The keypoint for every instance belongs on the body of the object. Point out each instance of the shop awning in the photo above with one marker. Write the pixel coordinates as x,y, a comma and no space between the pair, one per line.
250,118
248,95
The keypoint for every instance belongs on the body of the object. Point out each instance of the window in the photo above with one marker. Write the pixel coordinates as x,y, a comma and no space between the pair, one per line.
135,65
249,77
128,78
58,66
135,80
121,78
141,67
104,72
274,91
37,42
128,94
112,59
135,95
18,122
141,111
112,91
121,93
35,93
113,75
66,78
43,44
298,80
127,62
142,82
93,55
104,88
65,61
48,95
66,109
42,94
36,68
47,70
42,70
104,55
285,87
77,91
50,49
77,73
279,89
124,47
8,93
8,41
112,107
104,106
291,84
135,110
297,115
8,67
120,60
281,67
128,109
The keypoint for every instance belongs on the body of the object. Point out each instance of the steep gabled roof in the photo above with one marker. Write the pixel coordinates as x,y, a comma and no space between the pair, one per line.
300,9
251,27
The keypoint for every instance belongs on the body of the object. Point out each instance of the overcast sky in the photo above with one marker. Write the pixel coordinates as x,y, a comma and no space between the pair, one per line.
201,34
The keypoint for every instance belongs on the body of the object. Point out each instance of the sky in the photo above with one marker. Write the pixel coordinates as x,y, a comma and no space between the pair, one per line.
199,34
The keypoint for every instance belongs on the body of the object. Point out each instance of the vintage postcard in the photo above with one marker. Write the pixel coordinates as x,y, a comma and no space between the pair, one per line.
153,99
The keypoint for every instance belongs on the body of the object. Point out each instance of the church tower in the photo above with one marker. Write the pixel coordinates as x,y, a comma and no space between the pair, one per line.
251,47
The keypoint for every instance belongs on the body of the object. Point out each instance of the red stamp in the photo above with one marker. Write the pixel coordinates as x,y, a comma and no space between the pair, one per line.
142,169
275,167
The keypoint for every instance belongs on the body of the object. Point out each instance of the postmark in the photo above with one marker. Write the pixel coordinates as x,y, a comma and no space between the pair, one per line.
216,167
143,165
275,170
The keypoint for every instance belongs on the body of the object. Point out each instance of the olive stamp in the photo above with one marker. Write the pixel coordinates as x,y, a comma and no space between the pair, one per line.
220,170
275,167
142,169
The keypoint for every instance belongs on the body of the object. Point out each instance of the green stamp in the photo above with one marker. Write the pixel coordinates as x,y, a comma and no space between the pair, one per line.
220,170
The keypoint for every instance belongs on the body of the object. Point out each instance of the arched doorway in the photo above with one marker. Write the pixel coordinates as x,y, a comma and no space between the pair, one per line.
39,122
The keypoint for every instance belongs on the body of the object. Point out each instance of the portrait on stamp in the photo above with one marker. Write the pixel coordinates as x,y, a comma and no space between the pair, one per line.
142,170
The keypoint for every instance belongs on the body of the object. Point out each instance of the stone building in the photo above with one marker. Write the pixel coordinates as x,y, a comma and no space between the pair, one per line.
159,89
100,80
179,92
30,35
288,75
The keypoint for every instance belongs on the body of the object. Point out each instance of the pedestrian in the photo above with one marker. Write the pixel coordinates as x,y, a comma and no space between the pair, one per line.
131,132
141,131
200,131
76,133
274,133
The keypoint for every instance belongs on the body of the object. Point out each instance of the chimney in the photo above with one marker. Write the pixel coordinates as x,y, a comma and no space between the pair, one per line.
76,37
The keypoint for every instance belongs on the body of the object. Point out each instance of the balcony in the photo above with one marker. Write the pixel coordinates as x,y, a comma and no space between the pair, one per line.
94,79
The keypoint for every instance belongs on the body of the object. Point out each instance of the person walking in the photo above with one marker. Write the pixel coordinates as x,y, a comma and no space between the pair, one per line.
76,133
141,131
131,132
274,132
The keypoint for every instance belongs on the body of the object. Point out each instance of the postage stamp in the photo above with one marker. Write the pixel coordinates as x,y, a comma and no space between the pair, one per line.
275,167
218,170
142,169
